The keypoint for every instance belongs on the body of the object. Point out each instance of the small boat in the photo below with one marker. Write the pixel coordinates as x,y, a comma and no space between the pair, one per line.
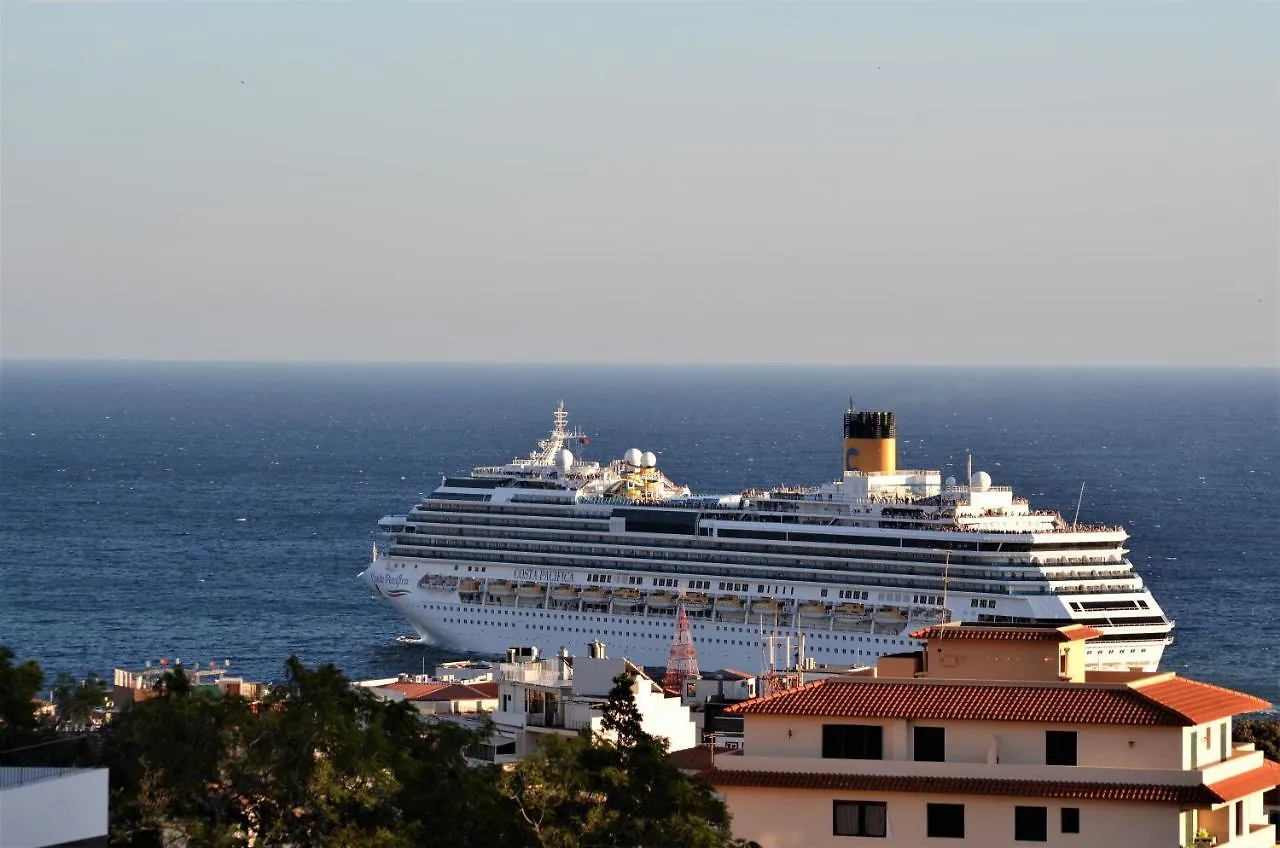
889,615
729,603
814,609
468,586
765,606
851,612
594,595
502,589
661,599
564,592
627,597
696,601
531,590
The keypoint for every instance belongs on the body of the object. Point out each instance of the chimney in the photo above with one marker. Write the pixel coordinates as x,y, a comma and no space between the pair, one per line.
564,663
595,649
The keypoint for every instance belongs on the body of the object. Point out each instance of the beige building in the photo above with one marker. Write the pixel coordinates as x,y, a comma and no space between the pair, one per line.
995,736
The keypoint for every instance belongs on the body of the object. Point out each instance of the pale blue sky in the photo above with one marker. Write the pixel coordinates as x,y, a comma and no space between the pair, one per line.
657,182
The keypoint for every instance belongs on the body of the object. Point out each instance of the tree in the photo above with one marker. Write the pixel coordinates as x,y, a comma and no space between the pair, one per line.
19,685
1263,732
75,702
597,791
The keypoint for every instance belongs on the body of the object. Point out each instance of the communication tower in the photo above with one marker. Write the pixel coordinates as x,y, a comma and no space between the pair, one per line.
682,663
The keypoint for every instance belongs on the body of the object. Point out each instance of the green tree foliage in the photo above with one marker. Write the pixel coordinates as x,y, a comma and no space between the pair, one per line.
1263,732
19,685
77,702
613,790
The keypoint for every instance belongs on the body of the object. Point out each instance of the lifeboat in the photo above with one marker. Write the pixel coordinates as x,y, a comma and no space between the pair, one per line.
814,609
729,603
696,602
594,595
531,590
468,586
661,599
889,615
627,597
564,592
765,606
851,612
502,589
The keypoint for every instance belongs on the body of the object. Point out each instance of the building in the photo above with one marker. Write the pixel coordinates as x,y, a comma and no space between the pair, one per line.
131,687
433,697
566,695
50,807
997,736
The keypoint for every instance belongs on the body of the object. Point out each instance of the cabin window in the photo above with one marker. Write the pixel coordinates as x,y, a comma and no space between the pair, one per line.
944,820
860,818
852,742
1070,819
1031,824
1060,748
931,744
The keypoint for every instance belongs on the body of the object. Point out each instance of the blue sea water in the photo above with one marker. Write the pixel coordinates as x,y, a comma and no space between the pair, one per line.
223,511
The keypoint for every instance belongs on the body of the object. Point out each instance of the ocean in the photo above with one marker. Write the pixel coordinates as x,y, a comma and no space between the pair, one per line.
222,511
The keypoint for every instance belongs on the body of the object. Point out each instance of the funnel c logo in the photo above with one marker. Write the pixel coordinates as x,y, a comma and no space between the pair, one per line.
850,457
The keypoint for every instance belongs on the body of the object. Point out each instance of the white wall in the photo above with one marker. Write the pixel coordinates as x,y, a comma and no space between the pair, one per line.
53,811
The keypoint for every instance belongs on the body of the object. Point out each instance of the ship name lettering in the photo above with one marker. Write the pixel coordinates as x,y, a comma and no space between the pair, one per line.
390,580
544,575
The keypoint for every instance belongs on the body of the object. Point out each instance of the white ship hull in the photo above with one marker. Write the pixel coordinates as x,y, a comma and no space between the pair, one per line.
441,618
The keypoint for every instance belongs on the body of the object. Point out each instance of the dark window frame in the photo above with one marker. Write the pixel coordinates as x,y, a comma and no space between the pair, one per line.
862,825
1030,824
1070,819
852,742
944,821
929,744
1061,748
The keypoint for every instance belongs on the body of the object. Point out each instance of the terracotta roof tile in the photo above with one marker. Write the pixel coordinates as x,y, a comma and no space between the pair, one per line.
1262,779
965,786
1199,702
414,691
461,692
699,758
1174,702
1069,633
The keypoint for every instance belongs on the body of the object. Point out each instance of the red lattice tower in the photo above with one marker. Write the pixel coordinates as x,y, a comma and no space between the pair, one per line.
682,662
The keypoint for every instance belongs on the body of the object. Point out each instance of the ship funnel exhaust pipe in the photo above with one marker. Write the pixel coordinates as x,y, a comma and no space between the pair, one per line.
870,442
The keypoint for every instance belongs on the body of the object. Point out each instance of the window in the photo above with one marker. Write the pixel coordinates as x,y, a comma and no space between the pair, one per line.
931,744
852,741
860,818
1070,819
945,820
1031,824
1060,747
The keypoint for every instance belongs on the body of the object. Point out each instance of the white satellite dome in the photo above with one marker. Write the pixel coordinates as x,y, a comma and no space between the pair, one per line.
565,460
649,460
633,457
951,482
981,481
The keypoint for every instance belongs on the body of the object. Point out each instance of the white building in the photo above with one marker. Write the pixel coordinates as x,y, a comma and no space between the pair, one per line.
565,695
53,807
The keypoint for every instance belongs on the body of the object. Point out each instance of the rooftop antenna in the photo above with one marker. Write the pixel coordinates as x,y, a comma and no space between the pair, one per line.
946,579
682,662
968,480
1076,518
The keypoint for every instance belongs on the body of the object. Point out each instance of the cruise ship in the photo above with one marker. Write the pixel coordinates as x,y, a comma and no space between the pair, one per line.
553,550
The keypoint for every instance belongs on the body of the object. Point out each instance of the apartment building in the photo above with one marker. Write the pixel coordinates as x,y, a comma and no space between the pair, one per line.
997,736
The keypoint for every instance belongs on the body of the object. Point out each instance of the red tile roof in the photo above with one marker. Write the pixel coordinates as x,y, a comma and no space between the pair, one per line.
1174,703
414,691
461,692
1069,633
1198,702
1262,779
1146,792
699,758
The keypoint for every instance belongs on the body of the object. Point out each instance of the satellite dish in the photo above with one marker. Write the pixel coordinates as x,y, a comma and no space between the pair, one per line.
565,460
951,482
649,460
981,482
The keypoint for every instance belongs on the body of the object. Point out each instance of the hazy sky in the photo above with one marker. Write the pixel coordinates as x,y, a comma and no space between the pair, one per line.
844,182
